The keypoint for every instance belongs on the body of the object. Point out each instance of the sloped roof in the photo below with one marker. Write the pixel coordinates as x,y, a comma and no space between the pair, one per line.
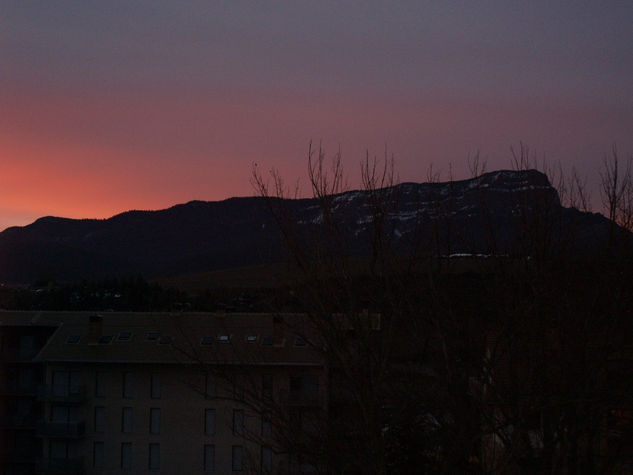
185,332
21,318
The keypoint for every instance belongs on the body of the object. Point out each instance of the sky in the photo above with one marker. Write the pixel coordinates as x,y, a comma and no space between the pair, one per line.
107,106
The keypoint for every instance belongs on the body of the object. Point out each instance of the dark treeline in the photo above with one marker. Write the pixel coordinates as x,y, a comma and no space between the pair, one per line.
124,294
138,295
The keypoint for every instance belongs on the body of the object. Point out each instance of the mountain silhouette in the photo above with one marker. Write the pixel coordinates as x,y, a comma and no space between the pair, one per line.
501,212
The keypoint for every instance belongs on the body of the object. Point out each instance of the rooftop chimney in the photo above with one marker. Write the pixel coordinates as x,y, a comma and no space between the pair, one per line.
95,329
278,331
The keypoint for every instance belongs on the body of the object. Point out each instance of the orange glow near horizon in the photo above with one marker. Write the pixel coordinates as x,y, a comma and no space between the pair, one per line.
97,155
66,180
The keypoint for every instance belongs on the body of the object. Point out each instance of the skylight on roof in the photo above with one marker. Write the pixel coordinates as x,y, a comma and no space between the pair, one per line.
165,340
125,335
153,336
73,339
105,339
206,340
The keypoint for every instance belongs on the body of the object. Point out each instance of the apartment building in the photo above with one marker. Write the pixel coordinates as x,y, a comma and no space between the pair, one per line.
20,379
169,393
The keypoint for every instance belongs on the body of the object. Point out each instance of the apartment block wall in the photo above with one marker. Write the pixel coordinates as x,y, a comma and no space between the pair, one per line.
182,405
20,381
69,369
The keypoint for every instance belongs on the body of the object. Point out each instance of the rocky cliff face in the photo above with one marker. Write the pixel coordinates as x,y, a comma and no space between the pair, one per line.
503,212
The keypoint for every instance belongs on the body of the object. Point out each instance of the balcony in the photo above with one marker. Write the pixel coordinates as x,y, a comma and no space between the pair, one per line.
19,462
61,430
69,466
18,421
300,398
18,388
76,395
21,355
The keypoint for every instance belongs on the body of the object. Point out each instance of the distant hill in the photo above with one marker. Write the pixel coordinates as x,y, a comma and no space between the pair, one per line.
505,212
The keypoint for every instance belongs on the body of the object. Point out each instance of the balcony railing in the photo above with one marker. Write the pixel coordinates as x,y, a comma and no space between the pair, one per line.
70,466
76,395
63,430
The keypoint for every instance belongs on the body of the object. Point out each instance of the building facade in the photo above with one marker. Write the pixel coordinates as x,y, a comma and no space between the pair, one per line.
165,393
20,381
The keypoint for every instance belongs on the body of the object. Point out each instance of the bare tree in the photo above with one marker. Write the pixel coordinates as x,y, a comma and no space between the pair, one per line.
475,373
616,182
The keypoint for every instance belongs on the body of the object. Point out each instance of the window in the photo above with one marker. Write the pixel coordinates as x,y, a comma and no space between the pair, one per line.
375,321
294,419
60,413
126,456
73,339
309,423
23,407
154,457
268,340
97,455
237,458
165,340
125,335
25,379
251,338
126,420
238,422
210,387
296,383
224,338
209,421
209,458
238,389
154,420
311,385
74,383
206,340
66,383
304,388
100,382
99,419
155,386
26,347
267,427
267,386
58,449
267,459
127,385
300,341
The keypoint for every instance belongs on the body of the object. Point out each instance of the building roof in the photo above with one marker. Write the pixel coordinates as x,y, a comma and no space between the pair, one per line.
20,318
172,338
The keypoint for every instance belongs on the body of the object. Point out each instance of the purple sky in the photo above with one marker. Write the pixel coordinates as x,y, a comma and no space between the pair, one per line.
111,105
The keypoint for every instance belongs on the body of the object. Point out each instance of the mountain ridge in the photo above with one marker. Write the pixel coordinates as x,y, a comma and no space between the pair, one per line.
481,214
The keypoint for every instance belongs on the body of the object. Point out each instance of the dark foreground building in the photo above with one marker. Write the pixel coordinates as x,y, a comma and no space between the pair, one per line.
147,393
82,393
